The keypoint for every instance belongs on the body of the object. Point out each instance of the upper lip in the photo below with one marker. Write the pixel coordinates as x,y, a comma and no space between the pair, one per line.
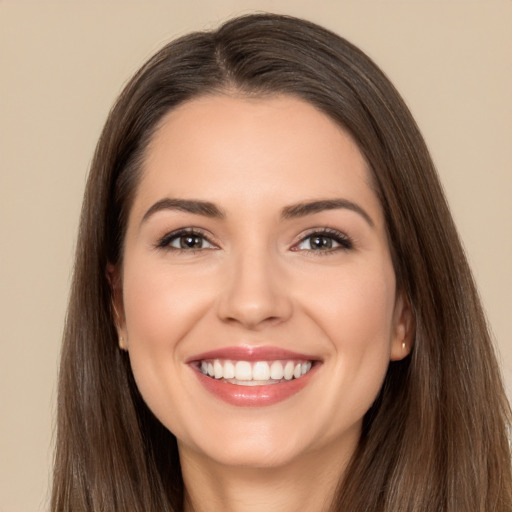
251,354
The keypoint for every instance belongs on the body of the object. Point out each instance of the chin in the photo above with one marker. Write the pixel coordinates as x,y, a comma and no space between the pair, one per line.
253,454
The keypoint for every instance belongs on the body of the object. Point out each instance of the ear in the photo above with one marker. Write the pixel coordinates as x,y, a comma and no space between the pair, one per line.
118,317
403,328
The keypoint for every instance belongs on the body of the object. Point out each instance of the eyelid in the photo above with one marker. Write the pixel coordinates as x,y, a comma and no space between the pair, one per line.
345,242
164,241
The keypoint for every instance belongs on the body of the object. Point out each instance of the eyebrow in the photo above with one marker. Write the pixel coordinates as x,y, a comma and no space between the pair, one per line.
302,209
293,211
204,208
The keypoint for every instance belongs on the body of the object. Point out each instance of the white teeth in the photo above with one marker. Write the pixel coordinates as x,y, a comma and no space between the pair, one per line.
229,370
255,374
218,370
276,370
253,382
243,370
261,371
288,370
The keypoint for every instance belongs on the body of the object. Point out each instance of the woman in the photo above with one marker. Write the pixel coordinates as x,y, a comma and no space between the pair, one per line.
271,308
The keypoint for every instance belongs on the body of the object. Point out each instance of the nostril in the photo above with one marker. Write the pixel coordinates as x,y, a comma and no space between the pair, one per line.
253,315
252,319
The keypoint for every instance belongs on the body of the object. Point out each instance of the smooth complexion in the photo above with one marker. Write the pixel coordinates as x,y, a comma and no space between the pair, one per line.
256,270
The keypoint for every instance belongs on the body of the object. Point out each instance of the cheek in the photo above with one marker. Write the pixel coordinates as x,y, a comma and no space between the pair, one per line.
161,308
355,311
160,304
358,323
355,306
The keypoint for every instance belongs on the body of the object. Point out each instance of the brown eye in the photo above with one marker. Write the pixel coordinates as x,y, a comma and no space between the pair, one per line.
185,240
319,242
324,241
190,242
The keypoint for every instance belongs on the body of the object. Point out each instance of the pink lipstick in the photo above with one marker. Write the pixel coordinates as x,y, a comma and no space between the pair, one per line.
254,376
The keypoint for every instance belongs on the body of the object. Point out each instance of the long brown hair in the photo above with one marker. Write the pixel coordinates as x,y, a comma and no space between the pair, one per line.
436,438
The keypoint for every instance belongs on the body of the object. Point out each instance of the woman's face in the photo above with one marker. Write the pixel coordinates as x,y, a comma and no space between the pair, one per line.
258,301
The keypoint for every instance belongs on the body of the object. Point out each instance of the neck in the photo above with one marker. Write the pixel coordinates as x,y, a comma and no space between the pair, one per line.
309,484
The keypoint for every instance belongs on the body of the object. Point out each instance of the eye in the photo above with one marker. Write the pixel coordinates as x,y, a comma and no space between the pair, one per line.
324,241
185,240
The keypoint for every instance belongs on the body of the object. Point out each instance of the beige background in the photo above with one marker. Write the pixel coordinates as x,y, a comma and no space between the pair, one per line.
63,63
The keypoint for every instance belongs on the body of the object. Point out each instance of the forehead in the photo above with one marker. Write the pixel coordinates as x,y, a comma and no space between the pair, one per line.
223,148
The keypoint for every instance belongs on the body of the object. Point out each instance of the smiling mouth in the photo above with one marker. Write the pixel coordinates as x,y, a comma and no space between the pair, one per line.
247,376
254,373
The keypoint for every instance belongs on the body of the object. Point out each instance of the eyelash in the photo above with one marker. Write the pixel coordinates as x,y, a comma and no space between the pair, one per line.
167,239
344,241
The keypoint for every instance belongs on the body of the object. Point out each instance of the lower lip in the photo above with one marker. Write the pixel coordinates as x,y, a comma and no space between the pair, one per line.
254,396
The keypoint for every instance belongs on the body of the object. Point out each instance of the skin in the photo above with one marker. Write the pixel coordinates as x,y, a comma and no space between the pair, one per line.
256,281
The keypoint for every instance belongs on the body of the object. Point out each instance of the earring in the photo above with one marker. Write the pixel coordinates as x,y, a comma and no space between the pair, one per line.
122,346
403,345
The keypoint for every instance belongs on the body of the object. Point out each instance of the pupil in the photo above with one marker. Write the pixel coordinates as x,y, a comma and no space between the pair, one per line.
321,242
190,242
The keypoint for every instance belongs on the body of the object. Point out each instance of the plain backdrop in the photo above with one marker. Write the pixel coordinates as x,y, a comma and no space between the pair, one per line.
63,63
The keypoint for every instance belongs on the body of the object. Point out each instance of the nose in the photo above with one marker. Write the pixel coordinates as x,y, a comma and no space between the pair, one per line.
254,293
